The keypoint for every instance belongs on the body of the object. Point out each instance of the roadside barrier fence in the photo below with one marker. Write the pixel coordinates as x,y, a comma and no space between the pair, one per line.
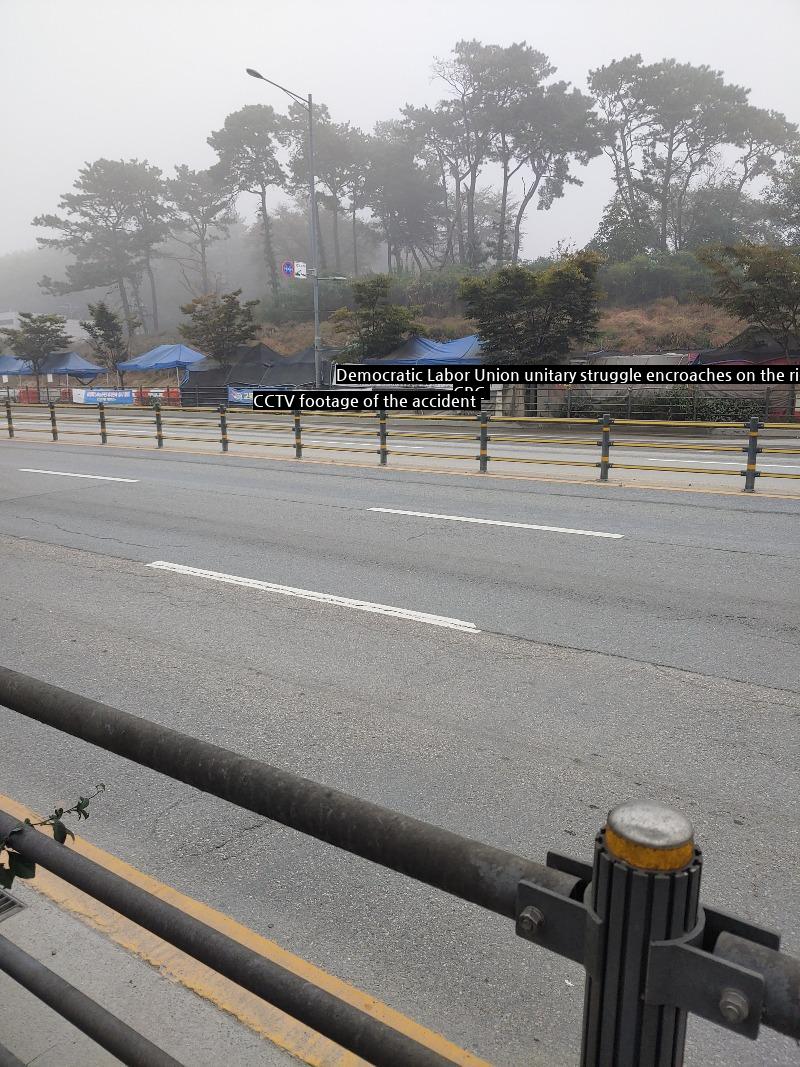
495,437
632,918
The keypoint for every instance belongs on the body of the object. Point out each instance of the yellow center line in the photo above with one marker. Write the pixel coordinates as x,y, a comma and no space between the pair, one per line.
264,1019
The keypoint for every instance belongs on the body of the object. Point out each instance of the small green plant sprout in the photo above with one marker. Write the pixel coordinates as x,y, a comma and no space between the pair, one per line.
13,865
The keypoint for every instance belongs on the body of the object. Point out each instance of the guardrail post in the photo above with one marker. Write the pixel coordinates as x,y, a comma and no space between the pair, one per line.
483,439
223,428
53,427
752,450
298,437
382,450
159,427
605,446
101,413
9,419
645,888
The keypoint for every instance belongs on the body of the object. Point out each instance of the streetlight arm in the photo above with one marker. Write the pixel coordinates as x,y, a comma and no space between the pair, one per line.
300,99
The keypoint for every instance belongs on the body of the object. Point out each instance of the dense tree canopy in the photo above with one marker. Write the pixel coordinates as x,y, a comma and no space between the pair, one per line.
111,224
106,337
760,285
672,129
219,324
201,212
523,315
247,146
374,326
35,338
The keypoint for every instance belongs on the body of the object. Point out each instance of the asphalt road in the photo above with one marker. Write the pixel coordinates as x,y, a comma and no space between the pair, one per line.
583,669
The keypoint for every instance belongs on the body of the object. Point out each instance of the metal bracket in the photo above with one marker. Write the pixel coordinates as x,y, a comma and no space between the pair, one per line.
557,861
719,922
684,976
560,924
681,973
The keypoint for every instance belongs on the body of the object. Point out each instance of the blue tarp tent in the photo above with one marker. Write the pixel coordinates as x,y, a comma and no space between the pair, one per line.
12,365
71,363
163,357
420,351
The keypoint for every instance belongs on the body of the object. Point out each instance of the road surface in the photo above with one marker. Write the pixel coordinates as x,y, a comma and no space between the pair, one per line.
511,679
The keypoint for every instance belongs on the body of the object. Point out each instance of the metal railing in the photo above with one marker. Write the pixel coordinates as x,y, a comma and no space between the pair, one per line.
399,435
633,918
691,402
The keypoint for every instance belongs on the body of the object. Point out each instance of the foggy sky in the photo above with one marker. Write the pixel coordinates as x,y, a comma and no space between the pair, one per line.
151,78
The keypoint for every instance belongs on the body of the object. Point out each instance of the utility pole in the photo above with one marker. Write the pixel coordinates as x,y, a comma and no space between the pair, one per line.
308,104
314,244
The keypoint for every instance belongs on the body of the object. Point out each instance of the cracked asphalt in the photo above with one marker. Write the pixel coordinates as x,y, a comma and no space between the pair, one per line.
660,664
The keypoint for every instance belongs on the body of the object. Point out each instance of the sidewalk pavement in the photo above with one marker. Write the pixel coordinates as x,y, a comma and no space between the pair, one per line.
193,1030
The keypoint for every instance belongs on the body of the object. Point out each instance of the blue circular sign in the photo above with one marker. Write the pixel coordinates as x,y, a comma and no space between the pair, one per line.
288,267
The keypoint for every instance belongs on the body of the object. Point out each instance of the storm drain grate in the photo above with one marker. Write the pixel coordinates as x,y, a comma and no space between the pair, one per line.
9,905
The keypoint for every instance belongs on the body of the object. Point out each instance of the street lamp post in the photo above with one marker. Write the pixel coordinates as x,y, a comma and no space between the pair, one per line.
308,104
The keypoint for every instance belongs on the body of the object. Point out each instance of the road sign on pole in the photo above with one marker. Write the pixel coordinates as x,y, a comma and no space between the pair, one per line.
288,268
300,270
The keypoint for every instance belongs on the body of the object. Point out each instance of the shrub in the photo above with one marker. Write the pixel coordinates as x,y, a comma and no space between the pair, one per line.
645,278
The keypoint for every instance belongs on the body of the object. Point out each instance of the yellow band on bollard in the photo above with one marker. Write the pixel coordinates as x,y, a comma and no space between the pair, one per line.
647,858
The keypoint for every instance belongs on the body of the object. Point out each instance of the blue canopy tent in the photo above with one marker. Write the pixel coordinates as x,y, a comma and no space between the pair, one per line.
421,352
12,365
164,357
71,363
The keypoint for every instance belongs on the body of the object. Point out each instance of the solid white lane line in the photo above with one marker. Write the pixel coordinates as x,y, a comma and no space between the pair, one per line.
67,474
498,522
721,463
322,598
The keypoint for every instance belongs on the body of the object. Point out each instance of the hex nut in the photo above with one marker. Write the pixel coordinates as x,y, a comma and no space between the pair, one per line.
531,920
734,1006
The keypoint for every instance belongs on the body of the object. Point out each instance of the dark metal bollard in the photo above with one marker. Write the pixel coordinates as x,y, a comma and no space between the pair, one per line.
645,889
9,419
483,450
298,439
53,427
382,450
101,412
752,450
650,952
159,427
605,446
223,428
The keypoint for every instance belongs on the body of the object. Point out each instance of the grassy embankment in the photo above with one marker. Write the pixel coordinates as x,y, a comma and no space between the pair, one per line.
662,326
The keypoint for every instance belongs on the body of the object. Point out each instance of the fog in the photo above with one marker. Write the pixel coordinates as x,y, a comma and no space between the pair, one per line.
151,79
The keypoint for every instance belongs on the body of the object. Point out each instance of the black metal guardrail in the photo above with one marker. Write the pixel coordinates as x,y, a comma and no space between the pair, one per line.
8,1059
633,918
91,1018
223,427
